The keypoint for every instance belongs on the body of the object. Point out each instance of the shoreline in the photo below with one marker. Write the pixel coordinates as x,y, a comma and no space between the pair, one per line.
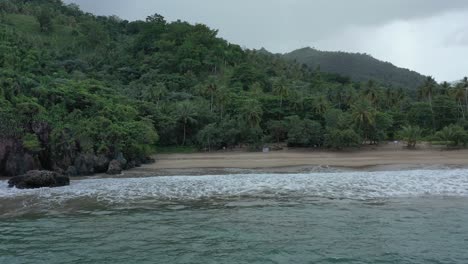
291,161
380,158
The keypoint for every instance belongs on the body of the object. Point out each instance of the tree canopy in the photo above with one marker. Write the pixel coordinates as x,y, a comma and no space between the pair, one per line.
104,85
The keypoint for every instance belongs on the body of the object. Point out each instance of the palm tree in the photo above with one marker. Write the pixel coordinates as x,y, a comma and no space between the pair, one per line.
465,82
459,93
186,113
445,87
297,101
347,95
446,134
211,88
281,89
453,134
465,86
411,134
222,97
371,92
252,113
427,90
363,115
321,105
155,92
395,97
389,97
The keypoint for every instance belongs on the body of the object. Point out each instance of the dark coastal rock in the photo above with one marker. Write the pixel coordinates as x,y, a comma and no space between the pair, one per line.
114,168
84,164
71,171
15,160
6,146
101,164
148,160
137,163
15,165
121,159
38,179
130,165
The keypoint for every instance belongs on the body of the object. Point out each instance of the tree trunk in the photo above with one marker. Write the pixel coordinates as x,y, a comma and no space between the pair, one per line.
466,101
211,102
183,141
461,109
432,112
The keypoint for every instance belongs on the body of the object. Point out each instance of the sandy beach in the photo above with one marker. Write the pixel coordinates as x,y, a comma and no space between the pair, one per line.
385,157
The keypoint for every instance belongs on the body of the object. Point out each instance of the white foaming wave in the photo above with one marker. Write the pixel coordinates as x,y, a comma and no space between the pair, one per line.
343,185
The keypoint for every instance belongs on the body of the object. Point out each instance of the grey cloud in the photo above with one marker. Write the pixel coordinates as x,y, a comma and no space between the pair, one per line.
296,15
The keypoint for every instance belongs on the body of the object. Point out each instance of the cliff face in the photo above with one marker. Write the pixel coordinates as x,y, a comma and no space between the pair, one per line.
14,160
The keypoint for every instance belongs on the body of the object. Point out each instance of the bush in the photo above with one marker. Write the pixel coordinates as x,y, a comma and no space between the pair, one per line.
339,139
410,134
31,143
453,134
304,133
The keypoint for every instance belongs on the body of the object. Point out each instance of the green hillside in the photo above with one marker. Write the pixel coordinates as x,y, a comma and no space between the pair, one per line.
360,67
79,90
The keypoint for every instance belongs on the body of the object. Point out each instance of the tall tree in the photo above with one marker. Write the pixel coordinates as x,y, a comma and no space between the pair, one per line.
281,88
427,91
45,20
371,92
252,113
186,113
211,88
363,116
459,94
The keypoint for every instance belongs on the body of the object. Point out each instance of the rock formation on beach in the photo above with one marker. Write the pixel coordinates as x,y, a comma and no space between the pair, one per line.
39,179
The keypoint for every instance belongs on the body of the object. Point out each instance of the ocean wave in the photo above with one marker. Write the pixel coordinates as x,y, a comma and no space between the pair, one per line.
342,185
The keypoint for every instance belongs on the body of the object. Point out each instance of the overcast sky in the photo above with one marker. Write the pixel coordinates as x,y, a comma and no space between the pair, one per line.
428,36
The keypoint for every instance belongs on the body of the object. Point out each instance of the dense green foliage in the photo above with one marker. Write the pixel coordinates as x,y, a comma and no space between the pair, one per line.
360,67
107,86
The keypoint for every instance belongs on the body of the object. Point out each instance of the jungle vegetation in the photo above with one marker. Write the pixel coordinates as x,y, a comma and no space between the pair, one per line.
104,85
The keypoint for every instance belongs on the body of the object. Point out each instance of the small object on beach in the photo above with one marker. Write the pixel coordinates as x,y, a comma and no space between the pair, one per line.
266,149
38,179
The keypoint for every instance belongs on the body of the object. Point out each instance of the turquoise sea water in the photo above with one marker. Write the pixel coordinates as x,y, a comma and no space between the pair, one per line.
348,217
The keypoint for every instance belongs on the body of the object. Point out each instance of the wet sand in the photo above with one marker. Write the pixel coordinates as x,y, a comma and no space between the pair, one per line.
302,160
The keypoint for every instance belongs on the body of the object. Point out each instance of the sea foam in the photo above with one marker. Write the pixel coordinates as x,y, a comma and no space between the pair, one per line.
342,185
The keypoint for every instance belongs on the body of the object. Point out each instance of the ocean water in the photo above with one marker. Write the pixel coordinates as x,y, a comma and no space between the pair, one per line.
417,216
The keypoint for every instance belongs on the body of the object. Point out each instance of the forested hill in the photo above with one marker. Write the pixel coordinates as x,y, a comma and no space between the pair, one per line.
360,67
79,92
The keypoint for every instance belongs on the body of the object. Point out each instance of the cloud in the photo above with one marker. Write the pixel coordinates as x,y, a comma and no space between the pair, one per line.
433,46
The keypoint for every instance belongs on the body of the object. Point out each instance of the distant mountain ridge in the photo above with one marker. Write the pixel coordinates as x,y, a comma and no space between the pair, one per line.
360,67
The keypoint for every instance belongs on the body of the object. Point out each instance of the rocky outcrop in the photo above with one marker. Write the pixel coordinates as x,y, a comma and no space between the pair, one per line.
87,164
14,160
121,159
115,168
84,164
101,164
38,179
